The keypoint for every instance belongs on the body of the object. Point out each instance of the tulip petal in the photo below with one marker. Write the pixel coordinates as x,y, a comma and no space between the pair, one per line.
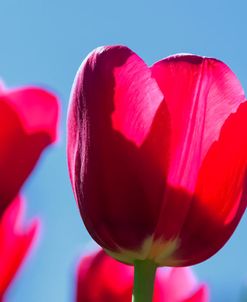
15,242
101,278
201,295
2,87
221,192
200,94
180,282
114,103
28,124
37,110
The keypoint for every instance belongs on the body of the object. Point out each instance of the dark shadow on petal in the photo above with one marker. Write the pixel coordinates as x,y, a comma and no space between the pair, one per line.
123,185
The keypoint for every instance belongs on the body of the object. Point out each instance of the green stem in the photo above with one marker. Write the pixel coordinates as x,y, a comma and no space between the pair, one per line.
143,281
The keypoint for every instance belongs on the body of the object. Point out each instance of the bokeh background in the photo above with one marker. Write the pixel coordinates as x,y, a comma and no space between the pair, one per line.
43,42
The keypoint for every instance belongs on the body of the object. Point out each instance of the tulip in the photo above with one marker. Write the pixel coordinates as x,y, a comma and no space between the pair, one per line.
100,278
28,123
157,156
16,241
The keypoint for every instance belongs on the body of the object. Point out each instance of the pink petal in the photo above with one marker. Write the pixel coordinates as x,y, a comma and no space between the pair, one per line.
103,279
200,94
115,103
180,283
219,199
37,110
201,295
2,87
29,119
15,242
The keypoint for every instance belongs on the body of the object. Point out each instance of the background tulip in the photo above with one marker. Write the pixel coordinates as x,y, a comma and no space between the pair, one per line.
15,242
157,156
103,279
29,118
28,124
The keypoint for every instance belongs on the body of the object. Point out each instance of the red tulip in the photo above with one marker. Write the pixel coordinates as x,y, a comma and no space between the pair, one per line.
15,242
103,279
28,123
157,156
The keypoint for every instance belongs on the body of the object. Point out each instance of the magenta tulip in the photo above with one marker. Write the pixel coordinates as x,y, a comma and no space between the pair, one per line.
157,156
29,118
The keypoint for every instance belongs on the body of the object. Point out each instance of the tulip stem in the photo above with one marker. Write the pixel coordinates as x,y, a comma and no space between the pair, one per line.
144,280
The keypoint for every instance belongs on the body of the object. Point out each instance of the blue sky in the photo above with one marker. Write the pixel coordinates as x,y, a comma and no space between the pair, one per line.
43,42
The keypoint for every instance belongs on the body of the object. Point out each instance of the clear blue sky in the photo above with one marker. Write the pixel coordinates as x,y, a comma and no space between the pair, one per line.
44,42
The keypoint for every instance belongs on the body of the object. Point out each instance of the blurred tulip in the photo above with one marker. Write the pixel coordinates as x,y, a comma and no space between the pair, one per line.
157,156
100,278
15,242
28,123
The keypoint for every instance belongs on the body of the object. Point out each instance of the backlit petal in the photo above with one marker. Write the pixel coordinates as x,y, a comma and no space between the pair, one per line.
200,94
114,103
